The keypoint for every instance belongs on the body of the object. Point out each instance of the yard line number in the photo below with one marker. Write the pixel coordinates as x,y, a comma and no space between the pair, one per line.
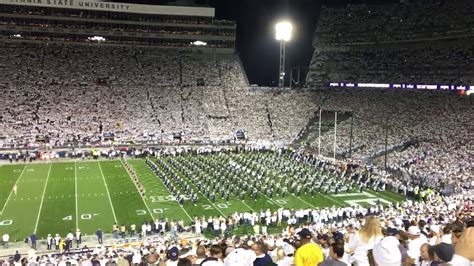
155,211
85,216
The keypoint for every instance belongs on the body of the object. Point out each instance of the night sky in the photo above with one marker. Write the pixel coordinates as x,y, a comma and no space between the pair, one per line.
256,44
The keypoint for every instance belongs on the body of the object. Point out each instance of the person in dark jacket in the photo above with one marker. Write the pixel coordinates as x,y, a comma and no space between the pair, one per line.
33,239
263,259
99,234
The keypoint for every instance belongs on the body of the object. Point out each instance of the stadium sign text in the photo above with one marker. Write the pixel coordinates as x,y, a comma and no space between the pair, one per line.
99,5
73,3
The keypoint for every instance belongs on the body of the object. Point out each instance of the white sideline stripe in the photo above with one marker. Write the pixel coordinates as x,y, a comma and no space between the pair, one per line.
187,214
9,195
141,196
108,194
75,193
42,197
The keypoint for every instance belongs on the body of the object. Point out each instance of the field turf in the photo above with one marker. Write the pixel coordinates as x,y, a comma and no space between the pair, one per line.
61,196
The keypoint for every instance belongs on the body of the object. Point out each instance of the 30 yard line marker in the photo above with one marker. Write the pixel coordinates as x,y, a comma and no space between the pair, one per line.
108,194
9,195
141,196
75,194
42,197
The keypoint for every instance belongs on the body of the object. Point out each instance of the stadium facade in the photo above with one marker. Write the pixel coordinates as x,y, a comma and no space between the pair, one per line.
119,23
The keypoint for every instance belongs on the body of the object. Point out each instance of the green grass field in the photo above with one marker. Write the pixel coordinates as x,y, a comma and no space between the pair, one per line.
62,196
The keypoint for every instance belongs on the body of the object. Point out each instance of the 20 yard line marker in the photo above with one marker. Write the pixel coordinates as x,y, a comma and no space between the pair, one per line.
42,198
184,210
16,182
107,188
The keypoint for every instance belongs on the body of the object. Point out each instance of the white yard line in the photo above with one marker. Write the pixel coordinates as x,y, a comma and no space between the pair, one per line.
342,204
247,205
141,196
75,194
108,193
300,199
273,201
386,197
42,197
184,210
9,195
215,207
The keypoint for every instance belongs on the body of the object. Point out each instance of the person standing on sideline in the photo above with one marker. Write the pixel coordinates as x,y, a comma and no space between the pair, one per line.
57,239
33,239
98,233
133,229
123,230
15,189
78,237
115,230
5,239
49,241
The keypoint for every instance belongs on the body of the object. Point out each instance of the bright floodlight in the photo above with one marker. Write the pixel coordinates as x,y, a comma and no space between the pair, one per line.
283,31
199,43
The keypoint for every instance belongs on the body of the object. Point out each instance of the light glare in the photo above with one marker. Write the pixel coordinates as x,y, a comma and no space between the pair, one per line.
283,31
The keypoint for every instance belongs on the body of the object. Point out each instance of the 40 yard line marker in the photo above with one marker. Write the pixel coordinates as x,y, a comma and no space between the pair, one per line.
108,194
42,197
9,195
75,194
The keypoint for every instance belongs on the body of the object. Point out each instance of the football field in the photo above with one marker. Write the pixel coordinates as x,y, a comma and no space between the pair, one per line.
59,197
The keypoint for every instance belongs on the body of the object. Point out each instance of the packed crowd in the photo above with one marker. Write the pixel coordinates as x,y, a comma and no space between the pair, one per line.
92,90
407,20
411,233
436,120
415,65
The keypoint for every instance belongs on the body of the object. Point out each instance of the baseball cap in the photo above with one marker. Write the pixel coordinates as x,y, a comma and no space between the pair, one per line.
240,257
288,249
173,254
387,252
338,236
414,230
444,251
392,231
435,228
305,233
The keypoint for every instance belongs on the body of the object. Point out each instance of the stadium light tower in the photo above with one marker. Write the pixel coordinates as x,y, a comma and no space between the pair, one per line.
283,34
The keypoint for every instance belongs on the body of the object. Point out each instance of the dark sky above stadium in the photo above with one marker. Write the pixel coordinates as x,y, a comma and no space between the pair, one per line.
256,42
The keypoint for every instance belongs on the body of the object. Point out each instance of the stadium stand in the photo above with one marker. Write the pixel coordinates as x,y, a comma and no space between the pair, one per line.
61,89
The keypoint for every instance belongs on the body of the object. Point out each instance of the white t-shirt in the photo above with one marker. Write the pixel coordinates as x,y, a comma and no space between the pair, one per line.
414,246
286,261
446,239
361,248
